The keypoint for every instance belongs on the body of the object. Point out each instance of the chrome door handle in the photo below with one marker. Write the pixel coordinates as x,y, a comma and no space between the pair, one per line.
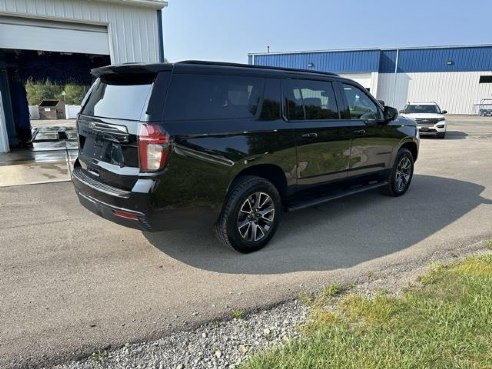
310,135
360,132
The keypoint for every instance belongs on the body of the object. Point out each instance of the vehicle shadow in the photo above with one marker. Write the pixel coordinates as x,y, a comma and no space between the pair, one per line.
450,135
339,234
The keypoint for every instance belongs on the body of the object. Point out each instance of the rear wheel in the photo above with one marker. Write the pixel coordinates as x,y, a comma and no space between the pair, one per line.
250,215
401,174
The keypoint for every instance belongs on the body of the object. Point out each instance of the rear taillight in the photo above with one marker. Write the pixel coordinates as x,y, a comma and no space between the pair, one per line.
153,147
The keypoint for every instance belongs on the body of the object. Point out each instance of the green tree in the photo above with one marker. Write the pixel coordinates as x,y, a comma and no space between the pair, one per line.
74,93
38,91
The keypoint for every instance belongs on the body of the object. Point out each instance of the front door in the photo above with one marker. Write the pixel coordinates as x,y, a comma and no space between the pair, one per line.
372,139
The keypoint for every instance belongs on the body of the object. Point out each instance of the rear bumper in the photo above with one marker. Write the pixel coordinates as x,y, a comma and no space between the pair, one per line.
108,212
102,202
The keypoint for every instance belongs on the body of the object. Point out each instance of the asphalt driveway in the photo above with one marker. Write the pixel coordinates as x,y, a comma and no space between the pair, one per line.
71,282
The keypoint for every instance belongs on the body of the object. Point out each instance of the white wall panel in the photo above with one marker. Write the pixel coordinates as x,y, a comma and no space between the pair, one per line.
365,79
374,83
71,111
133,30
34,112
393,91
456,92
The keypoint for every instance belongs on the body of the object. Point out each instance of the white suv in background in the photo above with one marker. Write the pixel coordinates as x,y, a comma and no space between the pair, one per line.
428,116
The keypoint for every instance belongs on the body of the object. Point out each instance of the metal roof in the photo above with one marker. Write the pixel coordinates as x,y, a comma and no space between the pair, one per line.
462,59
337,62
370,49
410,59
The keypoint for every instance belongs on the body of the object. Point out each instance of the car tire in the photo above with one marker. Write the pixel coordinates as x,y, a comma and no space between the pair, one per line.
401,174
250,215
441,135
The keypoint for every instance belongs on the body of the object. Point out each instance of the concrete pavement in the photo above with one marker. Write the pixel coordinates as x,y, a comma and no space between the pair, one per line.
50,159
72,283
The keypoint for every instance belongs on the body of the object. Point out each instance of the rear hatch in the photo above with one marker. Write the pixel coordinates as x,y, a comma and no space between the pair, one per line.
109,124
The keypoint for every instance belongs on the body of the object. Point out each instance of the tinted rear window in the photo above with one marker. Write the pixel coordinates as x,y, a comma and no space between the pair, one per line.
310,100
121,98
201,97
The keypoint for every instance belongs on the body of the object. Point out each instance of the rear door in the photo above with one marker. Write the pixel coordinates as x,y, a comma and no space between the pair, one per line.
108,128
323,141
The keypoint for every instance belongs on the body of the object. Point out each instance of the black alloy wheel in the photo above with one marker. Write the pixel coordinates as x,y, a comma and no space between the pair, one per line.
256,216
401,174
250,215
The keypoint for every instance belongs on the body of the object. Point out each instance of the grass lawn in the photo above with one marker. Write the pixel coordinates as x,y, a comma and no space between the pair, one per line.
446,322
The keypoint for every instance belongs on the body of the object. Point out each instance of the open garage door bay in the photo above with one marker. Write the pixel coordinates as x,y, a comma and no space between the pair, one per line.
36,34
43,50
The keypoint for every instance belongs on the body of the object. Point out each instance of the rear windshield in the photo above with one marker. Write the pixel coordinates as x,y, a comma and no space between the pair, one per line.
122,98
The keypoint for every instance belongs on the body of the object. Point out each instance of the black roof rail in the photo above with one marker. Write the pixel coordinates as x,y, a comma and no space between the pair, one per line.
239,65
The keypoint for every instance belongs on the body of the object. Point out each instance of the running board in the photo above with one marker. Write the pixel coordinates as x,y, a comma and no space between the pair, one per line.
298,205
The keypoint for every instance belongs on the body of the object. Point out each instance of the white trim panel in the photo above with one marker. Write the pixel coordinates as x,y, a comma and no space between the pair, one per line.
456,92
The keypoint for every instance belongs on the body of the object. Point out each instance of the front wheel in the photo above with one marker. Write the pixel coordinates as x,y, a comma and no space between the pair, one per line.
401,174
441,135
250,215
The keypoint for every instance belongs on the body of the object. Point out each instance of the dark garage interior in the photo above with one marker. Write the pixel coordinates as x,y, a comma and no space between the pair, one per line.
19,66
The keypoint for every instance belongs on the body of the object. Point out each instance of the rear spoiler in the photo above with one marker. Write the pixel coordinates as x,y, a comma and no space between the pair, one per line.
131,68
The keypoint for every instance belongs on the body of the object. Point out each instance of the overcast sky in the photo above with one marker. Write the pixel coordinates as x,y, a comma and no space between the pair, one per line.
226,30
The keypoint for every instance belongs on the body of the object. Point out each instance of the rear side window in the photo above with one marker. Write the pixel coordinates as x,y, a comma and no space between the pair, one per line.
204,97
121,98
310,100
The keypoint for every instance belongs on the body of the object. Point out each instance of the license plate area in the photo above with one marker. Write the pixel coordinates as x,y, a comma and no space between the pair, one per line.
96,147
109,141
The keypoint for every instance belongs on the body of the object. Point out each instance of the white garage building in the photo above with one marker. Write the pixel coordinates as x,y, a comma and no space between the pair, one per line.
62,40
456,77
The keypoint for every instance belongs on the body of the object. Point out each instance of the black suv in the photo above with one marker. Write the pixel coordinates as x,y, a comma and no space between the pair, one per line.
165,146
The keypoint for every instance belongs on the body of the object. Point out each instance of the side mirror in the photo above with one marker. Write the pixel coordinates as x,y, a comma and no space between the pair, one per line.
381,102
444,112
390,113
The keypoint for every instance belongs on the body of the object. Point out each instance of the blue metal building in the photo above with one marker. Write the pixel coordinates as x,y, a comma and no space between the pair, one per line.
456,77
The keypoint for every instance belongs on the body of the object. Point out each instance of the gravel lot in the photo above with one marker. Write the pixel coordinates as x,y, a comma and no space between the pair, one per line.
226,344
213,345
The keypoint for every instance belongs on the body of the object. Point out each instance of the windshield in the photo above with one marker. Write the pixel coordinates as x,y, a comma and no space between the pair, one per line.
426,109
